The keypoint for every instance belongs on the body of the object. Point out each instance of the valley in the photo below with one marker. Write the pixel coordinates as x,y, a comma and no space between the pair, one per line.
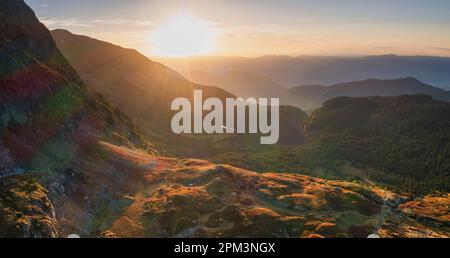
86,148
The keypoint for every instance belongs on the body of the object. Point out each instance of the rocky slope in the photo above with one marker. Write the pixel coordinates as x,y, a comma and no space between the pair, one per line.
195,198
129,193
25,209
414,219
48,121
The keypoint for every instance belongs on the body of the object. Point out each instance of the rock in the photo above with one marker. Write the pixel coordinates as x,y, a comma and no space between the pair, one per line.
25,209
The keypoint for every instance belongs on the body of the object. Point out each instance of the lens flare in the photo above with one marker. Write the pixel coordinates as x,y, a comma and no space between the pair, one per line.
184,35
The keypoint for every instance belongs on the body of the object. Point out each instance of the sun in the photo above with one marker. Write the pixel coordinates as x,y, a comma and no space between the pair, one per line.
184,35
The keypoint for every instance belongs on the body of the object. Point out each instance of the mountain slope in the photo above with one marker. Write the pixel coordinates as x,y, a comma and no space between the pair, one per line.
57,176
310,97
405,138
195,198
242,84
48,122
306,96
400,142
143,89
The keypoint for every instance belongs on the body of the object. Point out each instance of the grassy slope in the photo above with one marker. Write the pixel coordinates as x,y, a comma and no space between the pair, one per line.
398,141
166,197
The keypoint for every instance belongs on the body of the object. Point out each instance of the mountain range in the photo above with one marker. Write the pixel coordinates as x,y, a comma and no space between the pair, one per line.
240,83
72,163
310,97
144,89
323,70
279,76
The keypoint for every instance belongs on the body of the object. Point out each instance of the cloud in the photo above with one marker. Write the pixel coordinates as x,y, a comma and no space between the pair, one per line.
114,21
440,49
75,22
109,21
68,22
251,29
384,48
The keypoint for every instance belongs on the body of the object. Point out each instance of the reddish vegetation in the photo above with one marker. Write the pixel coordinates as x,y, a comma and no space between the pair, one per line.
24,141
433,208
166,197
30,83
194,198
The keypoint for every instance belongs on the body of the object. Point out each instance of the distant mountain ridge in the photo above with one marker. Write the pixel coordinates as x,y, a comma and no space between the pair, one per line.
142,88
240,83
313,96
326,70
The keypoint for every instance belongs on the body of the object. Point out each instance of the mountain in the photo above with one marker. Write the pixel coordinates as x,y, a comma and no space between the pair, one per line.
195,198
306,96
405,139
242,84
300,151
144,90
312,96
49,124
325,70
399,142
70,163
43,100
141,88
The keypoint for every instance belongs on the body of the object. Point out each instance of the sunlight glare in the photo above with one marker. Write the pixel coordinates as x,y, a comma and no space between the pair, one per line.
184,35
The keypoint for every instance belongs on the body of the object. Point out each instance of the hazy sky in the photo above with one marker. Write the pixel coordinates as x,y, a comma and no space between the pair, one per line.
263,27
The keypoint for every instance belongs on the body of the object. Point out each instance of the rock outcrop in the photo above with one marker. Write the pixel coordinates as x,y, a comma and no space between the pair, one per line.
48,121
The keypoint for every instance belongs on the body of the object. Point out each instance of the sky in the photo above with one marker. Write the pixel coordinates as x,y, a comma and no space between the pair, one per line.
265,27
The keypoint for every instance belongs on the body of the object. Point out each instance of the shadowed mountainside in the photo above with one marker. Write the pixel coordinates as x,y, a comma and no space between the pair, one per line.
143,89
48,121
407,138
401,142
